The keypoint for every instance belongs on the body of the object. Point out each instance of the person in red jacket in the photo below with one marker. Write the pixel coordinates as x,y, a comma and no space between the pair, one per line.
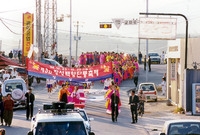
8,110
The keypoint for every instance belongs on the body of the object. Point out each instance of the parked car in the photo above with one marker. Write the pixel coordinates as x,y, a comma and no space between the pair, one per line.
150,91
181,127
155,57
87,120
22,72
49,62
17,88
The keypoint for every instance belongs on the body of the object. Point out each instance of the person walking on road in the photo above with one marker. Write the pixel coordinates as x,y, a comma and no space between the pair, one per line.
63,94
145,62
163,85
140,58
135,78
163,57
149,63
1,105
142,98
30,98
133,101
8,110
115,103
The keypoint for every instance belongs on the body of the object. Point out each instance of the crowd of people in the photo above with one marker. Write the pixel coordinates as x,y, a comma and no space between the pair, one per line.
124,65
15,54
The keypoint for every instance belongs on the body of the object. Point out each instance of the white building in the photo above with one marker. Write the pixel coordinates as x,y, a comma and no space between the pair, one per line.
177,68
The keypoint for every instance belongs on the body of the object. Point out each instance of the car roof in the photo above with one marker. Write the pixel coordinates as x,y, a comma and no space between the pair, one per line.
147,83
153,52
49,117
14,80
181,121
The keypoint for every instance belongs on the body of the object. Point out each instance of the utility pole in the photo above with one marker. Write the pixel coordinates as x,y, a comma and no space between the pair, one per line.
147,43
77,38
70,40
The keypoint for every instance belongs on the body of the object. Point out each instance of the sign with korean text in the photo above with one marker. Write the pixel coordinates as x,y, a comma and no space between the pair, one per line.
27,32
173,69
93,73
157,28
131,22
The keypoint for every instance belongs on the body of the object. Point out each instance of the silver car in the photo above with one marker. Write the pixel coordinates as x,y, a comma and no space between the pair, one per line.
87,120
155,58
181,127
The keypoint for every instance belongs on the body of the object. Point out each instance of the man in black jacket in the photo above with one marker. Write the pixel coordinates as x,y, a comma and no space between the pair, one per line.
115,101
30,98
145,62
149,63
133,101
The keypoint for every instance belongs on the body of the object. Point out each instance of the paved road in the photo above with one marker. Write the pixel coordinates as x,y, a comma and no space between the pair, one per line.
155,112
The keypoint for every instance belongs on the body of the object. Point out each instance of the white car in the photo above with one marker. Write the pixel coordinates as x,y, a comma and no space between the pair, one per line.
150,91
17,88
87,120
181,127
155,57
58,118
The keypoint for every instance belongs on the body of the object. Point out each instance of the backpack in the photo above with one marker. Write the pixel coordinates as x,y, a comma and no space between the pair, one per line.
64,98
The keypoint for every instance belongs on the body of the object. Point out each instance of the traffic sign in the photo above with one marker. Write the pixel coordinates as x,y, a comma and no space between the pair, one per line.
105,25
118,22
131,22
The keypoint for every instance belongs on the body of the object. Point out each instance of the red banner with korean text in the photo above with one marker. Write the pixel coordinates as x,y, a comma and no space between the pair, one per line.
93,73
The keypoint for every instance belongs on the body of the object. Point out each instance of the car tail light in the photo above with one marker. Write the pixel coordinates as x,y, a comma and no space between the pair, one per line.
155,92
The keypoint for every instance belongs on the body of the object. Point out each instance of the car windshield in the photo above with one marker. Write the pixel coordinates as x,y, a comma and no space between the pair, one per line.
189,128
153,54
60,128
9,87
147,87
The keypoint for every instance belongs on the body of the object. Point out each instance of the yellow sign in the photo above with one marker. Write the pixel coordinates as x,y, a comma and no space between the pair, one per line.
27,32
173,60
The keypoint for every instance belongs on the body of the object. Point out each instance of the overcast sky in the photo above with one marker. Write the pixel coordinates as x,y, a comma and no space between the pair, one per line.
90,12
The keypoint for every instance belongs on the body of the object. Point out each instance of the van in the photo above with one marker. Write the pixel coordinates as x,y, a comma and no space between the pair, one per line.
17,88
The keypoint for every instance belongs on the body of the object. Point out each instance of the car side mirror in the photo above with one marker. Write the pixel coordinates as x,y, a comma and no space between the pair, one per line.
162,133
90,119
30,133
91,133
